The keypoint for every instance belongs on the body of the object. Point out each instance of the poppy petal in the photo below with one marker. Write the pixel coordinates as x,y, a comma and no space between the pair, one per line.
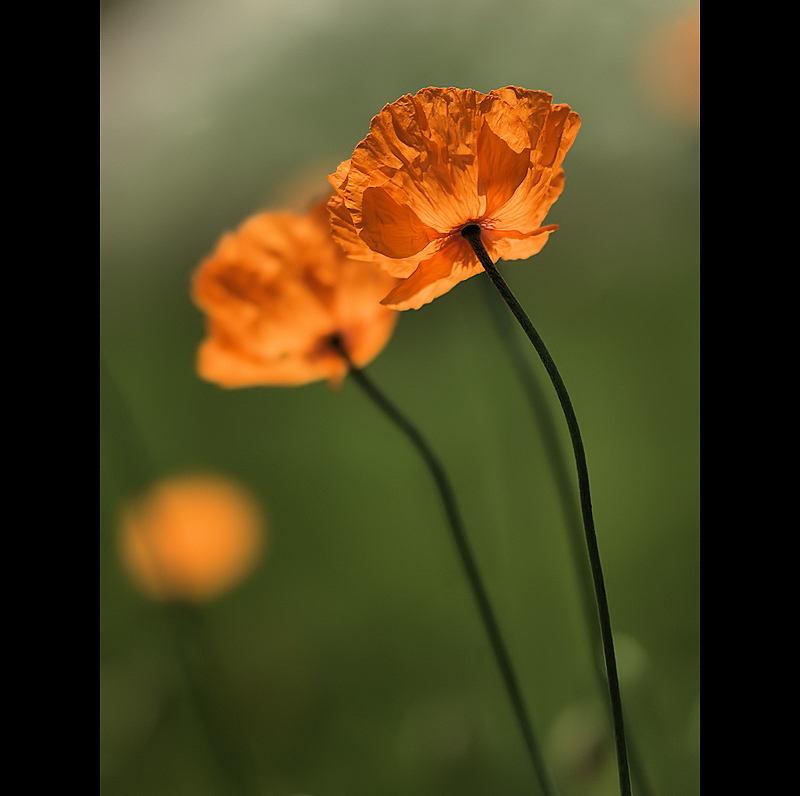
390,228
500,169
435,276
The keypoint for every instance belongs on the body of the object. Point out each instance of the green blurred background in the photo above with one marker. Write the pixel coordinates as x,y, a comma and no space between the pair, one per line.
352,660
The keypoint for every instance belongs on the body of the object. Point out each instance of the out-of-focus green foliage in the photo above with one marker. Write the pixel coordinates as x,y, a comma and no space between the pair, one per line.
352,663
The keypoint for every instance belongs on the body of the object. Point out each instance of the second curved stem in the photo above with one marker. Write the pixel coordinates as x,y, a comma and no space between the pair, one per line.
468,562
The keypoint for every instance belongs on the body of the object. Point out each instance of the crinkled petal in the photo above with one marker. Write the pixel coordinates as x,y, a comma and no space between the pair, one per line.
392,229
512,245
346,235
501,170
435,276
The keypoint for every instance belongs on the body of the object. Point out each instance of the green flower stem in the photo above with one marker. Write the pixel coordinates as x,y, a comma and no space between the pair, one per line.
556,457
472,234
202,673
467,560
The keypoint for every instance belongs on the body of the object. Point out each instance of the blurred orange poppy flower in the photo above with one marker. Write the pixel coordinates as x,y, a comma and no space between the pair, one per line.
276,292
191,538
439,161
669,67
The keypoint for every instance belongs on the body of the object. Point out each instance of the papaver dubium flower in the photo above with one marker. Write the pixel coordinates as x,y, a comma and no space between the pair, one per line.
277,292
442,160
191,537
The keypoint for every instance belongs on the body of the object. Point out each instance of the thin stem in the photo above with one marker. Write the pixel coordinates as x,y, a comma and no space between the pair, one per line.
236,772
472,234
556,459
467,560
569,507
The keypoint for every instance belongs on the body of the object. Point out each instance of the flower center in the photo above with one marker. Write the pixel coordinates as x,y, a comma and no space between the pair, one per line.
334,343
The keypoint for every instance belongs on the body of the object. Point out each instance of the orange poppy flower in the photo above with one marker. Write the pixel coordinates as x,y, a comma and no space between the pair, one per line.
191,538
276,293
444,159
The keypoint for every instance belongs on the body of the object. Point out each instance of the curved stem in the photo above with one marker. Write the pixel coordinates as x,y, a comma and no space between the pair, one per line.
554,452
569,507
467,560
472,234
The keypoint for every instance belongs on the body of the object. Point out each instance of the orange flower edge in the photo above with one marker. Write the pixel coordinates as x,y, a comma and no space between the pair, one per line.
440,160
191,538
276,293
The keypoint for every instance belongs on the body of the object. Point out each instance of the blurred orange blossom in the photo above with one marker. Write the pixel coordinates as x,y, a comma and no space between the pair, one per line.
439,161
191,538
669,67
276,293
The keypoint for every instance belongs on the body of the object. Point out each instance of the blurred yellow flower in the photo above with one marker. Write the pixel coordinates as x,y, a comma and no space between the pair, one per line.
191,538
